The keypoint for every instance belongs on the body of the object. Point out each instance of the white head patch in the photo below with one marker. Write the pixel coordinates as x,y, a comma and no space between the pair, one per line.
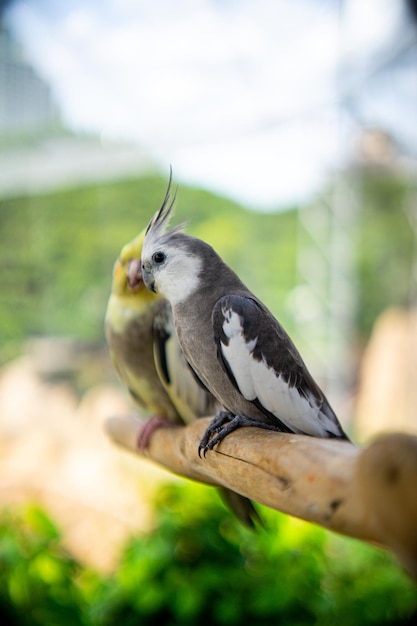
178,277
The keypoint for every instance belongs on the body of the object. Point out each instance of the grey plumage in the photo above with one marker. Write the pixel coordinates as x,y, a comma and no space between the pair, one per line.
235,346
190,399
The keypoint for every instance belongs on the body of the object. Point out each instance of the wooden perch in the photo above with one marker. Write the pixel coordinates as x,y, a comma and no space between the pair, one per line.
369,493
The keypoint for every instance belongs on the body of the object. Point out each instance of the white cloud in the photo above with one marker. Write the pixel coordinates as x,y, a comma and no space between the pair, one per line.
290,163
229,89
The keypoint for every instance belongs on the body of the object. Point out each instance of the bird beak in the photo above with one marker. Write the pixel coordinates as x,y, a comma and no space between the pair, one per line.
148,279
134,274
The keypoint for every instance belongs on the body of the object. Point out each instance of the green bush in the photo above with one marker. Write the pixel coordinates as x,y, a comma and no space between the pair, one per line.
199,565
37,576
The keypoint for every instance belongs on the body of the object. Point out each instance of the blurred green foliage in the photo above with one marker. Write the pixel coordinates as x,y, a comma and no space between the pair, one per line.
387,245
199,565
57,251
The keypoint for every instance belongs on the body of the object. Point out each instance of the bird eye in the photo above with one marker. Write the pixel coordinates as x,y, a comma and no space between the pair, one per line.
158,257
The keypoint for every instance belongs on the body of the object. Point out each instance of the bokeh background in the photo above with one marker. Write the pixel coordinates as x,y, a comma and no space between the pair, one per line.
291,127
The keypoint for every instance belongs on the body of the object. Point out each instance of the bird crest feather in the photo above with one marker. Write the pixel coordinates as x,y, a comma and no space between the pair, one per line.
159,223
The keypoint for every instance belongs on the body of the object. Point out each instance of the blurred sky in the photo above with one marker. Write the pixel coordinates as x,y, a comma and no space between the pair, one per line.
242,96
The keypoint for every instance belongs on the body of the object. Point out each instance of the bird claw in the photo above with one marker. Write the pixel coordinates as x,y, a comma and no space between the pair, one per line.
216,426
225,423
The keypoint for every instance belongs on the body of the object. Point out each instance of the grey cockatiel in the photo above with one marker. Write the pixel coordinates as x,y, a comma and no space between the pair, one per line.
235,346
148,359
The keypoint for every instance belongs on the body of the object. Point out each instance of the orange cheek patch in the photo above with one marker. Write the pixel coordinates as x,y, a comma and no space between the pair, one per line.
117,268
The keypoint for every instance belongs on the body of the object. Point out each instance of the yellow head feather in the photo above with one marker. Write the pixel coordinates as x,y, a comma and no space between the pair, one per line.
120,285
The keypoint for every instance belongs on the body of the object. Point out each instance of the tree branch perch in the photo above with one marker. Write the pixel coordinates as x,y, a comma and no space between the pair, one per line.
369,493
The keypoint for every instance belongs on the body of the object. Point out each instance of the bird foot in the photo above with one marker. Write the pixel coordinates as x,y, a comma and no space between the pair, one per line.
223,424
146,431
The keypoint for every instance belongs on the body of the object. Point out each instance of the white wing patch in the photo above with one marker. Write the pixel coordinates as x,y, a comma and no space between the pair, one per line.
256,379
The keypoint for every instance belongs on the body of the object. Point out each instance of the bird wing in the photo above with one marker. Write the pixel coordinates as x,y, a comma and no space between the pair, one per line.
266,368
129,337
125,377
189,397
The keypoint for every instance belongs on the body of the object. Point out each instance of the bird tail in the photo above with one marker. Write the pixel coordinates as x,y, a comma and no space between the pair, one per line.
242,507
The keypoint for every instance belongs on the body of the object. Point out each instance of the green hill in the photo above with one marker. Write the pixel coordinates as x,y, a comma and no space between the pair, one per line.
57,251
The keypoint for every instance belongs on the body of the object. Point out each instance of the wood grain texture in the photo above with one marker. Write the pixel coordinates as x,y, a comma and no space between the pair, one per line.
369,493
